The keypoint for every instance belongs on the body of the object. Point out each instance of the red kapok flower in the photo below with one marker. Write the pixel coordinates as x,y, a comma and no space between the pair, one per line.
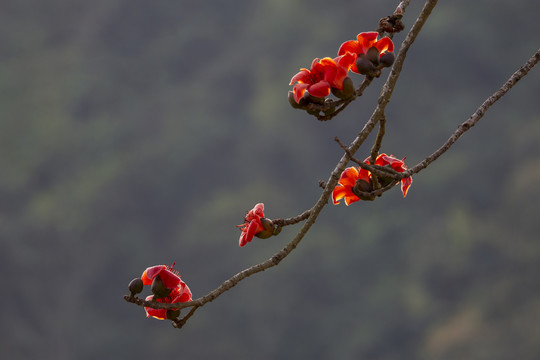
324,74
351,175
364,41
346,182
178,295
177,290
397,165
252,224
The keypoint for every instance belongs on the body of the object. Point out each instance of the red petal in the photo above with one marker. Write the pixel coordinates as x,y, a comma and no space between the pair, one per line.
349,176
258,210
405,184
169,279
302,77
320,89
299,90
338,194
242,241
351,199
150,273
384,45
350,46
366,40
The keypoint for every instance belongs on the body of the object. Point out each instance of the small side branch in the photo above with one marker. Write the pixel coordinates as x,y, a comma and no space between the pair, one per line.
478,114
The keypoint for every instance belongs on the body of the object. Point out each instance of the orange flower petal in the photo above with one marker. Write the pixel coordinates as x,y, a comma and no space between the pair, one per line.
366,40
349,199
384,45
350,46
302,77
405,185
338,194
349,176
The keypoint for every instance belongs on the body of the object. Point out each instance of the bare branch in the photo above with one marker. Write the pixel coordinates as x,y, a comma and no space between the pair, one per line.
478,114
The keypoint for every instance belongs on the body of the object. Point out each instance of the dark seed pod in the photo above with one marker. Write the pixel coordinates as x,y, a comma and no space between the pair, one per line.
158,288
364,66
135,286
373,55
387,59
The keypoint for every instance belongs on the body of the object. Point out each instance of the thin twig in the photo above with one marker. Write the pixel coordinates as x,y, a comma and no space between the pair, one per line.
477,115
291,221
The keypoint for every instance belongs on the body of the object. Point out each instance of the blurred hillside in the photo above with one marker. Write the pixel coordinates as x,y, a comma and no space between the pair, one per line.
135,133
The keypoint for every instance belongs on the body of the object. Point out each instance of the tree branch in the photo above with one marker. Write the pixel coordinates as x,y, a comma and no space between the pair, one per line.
477,115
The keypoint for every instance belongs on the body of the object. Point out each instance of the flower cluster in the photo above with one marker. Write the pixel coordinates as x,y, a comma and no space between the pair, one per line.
167,287
354,181
366,55
255,224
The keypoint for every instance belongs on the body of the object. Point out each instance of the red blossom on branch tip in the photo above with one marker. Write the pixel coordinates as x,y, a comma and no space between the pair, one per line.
324,74
252,224
359,48
346,182
361,179
175,289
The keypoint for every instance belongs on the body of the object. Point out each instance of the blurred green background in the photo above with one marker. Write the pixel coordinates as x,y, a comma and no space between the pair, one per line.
136,133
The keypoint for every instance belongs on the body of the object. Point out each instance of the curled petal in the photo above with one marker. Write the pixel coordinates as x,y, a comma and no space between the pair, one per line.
169,278
350,46
150,273
344,192
301,77
320,89
349,177
366,39
384,45
405,184
299,90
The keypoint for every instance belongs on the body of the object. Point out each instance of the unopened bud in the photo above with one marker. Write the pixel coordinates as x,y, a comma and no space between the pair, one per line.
347,91
373,55
364,66
268,231
158,288
387,59
135,286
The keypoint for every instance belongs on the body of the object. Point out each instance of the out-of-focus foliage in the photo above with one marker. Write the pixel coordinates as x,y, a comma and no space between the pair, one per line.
135,133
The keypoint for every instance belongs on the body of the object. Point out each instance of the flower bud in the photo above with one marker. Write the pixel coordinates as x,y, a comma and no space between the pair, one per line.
268,231
364,66
135,286
373,55
347,91
387,59
158,288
